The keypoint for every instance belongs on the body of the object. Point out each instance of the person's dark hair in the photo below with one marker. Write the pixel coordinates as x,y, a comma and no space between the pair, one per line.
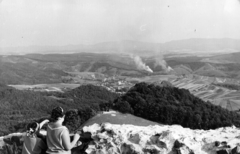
32,128
57,112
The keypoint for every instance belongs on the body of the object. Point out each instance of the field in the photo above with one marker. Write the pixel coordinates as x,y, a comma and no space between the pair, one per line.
114,117
60,87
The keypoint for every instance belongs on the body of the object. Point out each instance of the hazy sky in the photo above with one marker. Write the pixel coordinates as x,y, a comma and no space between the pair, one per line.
64,22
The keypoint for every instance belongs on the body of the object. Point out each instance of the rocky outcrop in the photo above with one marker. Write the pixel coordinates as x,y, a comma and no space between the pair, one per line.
129,139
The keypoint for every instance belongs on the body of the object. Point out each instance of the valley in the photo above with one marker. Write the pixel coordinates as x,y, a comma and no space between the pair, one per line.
207,88
208,77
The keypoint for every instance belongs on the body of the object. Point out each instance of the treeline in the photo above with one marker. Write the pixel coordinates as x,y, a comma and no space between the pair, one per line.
19,107
170,105
85,94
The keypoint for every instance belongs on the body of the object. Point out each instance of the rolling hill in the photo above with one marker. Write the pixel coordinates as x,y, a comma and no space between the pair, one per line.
57,68
224,58
196,45
170,105
210,70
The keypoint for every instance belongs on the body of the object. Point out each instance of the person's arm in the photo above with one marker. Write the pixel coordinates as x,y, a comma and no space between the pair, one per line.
43,123
39,134
67,144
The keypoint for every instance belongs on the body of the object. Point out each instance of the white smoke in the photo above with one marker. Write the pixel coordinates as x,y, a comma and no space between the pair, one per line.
159,61
169,69
140,65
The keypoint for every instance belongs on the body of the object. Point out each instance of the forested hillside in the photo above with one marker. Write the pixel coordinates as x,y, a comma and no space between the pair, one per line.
86,94
170,105
17,108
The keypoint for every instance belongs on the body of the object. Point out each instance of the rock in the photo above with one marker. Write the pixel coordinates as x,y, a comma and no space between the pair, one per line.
127,149
134,138
155,140
177,145
168,139
117,139
181,148
236,150
151,151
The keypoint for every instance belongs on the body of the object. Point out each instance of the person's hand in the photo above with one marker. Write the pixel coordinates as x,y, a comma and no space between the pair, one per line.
76,136
79,143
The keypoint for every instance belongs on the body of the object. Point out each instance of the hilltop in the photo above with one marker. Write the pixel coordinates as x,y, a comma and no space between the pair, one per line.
171,105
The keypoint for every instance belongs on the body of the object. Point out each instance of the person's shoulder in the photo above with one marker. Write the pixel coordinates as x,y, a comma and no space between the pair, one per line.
64,127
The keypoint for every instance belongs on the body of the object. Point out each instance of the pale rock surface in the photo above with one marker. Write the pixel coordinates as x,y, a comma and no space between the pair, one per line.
130,139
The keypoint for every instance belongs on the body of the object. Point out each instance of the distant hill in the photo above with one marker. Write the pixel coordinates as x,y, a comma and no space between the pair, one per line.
136,47
210,70
170,105
57,68
203,44
16,70
182,69
205,66
224,58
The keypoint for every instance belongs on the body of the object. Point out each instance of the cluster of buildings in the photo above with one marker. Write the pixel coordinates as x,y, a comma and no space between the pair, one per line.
115,84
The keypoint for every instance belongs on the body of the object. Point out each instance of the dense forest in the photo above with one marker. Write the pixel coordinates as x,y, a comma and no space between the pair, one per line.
17,108
85,94
171,105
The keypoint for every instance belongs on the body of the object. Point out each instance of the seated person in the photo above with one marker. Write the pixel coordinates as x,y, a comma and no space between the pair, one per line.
31,143
58,138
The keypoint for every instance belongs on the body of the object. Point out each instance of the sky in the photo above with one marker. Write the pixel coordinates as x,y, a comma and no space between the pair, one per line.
71,22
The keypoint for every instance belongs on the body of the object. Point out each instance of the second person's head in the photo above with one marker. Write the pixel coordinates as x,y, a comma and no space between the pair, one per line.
57,114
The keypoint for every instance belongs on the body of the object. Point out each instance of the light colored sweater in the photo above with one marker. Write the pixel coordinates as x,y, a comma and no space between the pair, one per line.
54,140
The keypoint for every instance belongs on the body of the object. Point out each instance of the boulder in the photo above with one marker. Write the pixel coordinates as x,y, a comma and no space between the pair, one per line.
127,149
236,150
156,141
134,138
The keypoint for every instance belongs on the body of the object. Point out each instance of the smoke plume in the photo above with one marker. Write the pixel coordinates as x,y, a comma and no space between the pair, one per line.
159,61
140,65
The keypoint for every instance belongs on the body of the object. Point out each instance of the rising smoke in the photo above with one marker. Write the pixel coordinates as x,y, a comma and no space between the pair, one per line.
159,61
140,65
